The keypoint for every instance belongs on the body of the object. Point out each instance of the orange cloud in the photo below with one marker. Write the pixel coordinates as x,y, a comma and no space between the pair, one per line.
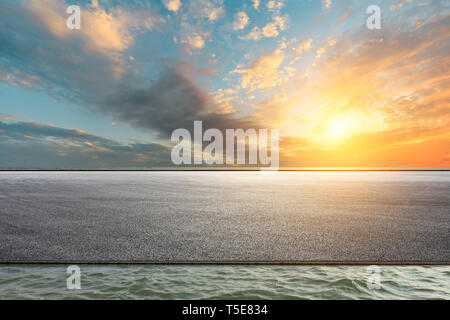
241,21
369,101
172,5
93,146
303,47
271,30
264,72
101,30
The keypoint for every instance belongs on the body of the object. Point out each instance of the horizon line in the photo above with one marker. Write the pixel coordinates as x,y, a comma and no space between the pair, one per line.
250,169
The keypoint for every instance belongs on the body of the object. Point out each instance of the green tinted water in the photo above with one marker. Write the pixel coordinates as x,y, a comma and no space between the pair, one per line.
225,282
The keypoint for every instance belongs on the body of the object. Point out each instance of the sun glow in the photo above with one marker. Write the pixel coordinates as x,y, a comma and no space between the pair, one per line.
338,129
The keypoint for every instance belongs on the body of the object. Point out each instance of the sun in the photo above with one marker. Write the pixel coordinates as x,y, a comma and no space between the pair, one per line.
338,129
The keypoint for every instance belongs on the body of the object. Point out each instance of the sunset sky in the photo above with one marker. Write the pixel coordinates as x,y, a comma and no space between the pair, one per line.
110,94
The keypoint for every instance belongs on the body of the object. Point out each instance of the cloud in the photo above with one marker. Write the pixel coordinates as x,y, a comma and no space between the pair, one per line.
37,52
376,149
274,4
174,101
18,130
197,24
7,117
256,4
103,80
254,34
390,83
192,37
387,67
34,145
396,6
303,47
212,10
320,52
196,41
100,30
215,13
208,71
327,3
345,16
263,72
391,89
271,30
172,5
241,21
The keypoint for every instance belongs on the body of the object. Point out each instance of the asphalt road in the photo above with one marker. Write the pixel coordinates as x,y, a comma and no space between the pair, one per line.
308,217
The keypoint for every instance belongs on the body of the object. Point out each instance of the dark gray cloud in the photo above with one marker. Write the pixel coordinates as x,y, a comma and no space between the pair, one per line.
19,130
174,101
32,145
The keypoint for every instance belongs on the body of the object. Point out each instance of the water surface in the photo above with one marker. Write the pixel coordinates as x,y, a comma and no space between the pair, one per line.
225,282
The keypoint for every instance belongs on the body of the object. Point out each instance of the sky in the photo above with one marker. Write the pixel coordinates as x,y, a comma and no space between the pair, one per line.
110,94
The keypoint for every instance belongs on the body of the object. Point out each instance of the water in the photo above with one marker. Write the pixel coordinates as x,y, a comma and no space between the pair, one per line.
225,282
225,216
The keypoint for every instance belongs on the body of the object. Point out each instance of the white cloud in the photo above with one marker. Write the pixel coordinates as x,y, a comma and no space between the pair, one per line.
241,21
102,30
215,13
274,4
172,5
303,47
255,34
396,6
327,3
196,41
263,72
271,30
320,52
211,10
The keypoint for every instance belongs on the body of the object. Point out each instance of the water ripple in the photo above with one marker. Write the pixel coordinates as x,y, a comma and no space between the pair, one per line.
224,282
